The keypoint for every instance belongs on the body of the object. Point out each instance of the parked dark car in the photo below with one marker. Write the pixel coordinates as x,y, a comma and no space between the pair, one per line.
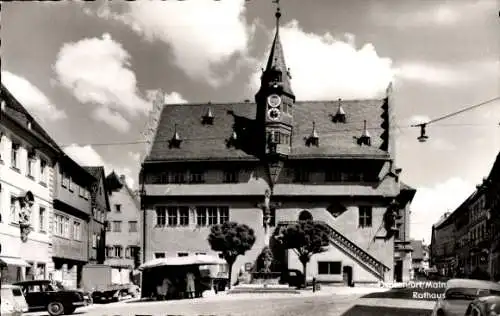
294,278
53,297
484,306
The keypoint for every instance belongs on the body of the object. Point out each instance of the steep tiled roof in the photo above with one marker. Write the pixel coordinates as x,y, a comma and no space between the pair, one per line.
201,142
18,113
113,177
97,172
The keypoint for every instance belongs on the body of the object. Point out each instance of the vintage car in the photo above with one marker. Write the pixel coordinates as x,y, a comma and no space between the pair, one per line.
459,293
50,296
484,306
12,300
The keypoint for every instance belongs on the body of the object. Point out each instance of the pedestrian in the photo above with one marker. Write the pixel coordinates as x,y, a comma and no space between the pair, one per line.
162,289
190,286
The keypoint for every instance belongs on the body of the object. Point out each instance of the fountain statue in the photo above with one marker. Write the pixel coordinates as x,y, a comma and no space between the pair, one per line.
26,204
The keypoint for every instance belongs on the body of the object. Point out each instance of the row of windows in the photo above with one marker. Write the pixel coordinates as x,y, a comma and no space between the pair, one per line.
213,215
67,228
36,167
193,176
277,137
232,176
180,215
68,183
477,210
116,251
163,254
117,226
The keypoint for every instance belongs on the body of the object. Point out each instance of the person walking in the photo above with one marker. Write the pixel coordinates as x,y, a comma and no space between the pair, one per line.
190,286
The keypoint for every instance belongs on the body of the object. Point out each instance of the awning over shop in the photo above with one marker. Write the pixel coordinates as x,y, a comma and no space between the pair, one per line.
13,261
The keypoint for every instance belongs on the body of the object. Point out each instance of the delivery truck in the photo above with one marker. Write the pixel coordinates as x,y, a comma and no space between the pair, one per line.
107,284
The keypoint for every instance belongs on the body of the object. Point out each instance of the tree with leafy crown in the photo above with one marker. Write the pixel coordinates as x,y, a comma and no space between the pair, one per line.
306,238
231,239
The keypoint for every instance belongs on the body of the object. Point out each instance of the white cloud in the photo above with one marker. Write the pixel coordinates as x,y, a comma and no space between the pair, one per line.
88,156
448,75
446,13
112,118
430,204
32,98
97,70
219,32
85,155
323,67
135,156
174,98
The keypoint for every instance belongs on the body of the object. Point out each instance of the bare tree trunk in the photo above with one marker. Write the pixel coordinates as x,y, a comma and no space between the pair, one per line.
230,274
304,269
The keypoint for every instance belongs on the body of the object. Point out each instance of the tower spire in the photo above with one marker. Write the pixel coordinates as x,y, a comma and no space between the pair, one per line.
277,15
276,74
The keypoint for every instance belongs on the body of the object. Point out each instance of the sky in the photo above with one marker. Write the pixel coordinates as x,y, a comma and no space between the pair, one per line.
89,71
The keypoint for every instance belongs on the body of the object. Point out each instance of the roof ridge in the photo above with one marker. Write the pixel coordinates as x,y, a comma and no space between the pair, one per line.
211,103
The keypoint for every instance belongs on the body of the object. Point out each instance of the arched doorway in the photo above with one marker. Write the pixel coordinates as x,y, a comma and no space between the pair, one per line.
305,216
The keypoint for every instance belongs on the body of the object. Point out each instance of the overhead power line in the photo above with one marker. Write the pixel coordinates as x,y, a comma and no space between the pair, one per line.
321,135
423,136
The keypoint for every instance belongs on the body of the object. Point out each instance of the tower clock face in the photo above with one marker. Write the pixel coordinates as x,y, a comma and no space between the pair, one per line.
273,114
274,100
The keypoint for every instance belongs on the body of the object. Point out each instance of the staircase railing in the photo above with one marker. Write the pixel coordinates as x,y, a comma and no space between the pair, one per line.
351,249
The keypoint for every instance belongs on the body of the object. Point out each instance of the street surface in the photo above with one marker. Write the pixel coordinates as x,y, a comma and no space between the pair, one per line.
321,303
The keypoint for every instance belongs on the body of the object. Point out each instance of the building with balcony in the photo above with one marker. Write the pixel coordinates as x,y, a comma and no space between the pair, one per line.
327,161
97,223
72,214
27,158
123,225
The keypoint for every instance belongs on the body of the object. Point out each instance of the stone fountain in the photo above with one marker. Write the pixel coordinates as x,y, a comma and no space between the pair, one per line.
262,278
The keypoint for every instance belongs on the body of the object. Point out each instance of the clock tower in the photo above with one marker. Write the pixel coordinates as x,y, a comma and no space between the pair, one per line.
275,102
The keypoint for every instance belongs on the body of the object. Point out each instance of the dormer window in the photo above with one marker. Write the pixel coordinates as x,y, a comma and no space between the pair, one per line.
176,140
313,139
340,116
208,118
365,138
233,139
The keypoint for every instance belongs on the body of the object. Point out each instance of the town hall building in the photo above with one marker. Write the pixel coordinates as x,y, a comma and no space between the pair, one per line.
326,161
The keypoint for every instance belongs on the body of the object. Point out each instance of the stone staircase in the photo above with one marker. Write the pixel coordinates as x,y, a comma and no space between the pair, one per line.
352,250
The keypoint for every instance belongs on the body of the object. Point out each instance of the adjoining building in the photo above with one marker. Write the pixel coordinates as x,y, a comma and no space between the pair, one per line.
443,245
329,161
27,158
419,256
493,206
97,223
72,213
469,235
123,227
